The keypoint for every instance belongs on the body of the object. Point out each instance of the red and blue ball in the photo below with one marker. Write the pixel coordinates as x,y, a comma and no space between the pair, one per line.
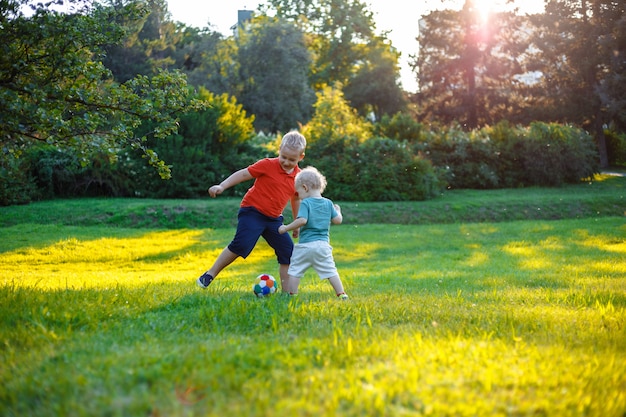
265,285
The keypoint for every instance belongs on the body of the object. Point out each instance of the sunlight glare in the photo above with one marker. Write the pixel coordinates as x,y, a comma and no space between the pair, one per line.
484,8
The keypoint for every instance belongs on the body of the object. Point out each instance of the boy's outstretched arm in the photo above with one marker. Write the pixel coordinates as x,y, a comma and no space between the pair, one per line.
234,179
294,225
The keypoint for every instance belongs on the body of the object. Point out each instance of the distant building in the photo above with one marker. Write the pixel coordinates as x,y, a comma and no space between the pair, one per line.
242,17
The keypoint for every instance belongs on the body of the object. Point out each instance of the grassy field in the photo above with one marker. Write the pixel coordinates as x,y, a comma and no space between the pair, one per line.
604,197
499,303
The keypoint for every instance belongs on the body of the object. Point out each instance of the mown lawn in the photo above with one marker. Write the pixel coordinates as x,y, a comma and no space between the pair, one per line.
456,318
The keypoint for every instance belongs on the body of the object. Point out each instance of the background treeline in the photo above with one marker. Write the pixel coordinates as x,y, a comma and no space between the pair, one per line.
523,100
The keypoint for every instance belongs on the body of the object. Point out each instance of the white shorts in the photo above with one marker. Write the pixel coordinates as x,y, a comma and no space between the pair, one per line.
318,254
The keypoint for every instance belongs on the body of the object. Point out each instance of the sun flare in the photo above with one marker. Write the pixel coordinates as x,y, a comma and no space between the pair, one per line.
485,8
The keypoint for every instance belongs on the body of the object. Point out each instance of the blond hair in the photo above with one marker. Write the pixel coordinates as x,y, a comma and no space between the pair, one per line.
294,140
312,178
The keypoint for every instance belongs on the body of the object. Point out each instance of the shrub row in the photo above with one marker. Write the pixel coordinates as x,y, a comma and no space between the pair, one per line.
376,169
379,169
543,154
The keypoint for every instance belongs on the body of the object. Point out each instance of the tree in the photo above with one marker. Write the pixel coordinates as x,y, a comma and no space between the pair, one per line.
334,120
149,44
337,29
581,55
613,87
207,59
273,69
55,90
359,166
347,52
126,57
469,69
208,144
373,89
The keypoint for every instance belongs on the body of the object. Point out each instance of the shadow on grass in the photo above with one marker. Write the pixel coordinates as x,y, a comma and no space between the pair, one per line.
537,289
413,276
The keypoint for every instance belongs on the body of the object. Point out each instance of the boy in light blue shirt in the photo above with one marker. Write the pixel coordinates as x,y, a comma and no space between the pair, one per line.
314,218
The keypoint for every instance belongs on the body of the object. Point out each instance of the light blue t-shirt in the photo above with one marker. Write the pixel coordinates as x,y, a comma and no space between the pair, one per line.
318,211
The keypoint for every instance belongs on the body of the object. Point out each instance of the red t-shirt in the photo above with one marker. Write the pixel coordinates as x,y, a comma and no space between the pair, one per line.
272,188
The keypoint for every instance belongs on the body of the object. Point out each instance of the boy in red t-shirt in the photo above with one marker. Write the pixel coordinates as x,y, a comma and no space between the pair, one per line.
261,210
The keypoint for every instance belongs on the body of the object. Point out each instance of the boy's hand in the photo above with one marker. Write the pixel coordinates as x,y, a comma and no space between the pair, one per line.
216,190
282,229
296,233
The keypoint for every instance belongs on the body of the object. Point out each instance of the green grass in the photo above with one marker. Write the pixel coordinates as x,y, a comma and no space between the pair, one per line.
606,196
507,317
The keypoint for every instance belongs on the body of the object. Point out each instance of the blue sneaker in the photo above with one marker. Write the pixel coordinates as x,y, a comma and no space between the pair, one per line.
204,280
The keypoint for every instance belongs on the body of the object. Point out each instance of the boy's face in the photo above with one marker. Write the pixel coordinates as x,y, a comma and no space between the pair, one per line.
289,158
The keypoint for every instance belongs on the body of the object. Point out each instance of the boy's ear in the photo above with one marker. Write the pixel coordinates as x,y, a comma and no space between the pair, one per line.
301,157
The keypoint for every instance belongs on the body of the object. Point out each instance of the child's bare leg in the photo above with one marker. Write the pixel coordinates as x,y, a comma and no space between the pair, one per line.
337,285
295,283
223,260
284,277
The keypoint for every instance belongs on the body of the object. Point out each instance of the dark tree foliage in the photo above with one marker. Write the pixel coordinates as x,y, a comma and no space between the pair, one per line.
149,45
208,146
374,89
347,53
613,87
55,90
469,69
337,29
273,66
581,46
202,57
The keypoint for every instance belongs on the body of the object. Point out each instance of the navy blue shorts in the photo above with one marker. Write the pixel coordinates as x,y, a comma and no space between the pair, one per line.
252,224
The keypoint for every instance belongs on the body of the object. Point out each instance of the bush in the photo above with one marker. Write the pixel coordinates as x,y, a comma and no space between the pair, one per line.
554,154
209,146
60,173
55,171
616,148
334,120
16,184
509,145
501,156
379,169
469,160
390,170
338,160
104,175
400,126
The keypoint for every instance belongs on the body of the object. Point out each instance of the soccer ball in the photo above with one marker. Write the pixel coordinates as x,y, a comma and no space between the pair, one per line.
265,285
